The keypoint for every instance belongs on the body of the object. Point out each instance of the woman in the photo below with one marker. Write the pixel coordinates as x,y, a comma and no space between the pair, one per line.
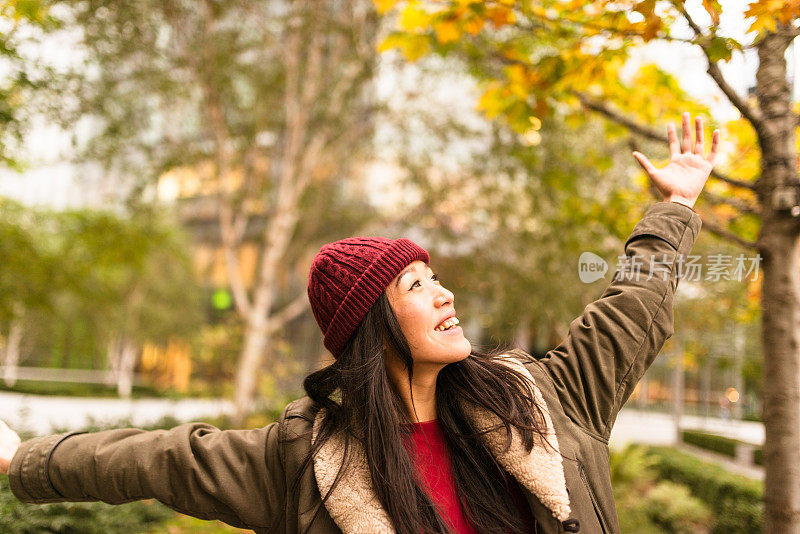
411,429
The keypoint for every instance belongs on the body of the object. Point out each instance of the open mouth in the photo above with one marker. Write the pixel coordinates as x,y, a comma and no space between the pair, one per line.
447,324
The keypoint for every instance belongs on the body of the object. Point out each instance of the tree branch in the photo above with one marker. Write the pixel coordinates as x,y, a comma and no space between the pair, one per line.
727,234
732,181
647,132
231,226
289,312
599,28
751,113
230,247
733,202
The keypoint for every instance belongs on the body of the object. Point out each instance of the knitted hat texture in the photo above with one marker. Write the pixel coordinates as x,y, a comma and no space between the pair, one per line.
348,276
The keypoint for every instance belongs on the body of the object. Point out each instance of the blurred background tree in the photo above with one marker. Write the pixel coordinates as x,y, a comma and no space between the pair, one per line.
255,114
86,289
22,22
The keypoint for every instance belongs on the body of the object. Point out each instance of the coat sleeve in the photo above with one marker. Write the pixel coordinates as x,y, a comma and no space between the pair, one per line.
234,475
614,341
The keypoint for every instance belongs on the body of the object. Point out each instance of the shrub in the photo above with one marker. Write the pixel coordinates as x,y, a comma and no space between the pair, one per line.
672,507
735,500
711,442
78,518
646,506
720,444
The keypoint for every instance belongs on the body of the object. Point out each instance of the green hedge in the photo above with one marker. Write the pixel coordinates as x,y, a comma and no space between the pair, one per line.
711,442
77,518
735,500
720,444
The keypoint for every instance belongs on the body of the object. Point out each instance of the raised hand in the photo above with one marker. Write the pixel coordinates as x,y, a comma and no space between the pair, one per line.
9,443
683,178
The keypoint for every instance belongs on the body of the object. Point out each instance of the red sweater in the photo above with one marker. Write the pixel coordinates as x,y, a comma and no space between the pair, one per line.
435,467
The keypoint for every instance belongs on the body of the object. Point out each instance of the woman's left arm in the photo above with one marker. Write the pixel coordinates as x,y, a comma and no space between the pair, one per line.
614,341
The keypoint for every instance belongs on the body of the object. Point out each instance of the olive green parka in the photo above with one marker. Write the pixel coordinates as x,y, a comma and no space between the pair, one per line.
243,477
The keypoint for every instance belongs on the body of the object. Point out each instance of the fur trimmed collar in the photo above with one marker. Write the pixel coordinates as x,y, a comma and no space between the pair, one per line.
355,508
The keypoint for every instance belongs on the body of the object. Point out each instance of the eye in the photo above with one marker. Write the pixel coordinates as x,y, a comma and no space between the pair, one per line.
415,283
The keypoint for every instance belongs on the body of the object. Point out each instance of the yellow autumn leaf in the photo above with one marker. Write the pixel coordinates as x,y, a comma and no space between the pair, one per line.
500,16
491,101
384,6
446,31
416,48
474,26
790,11
412,46
414,17
391,41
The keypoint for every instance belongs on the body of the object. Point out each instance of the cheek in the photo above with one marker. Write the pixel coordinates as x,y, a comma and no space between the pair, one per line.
411,322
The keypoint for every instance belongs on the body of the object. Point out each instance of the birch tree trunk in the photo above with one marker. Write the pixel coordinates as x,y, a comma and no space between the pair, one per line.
122,353
327,53
11,356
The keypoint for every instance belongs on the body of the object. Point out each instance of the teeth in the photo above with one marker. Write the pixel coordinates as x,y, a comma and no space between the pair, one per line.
446,325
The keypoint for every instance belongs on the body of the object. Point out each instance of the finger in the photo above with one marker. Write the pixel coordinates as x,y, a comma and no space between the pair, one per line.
645,163
698,143
714,147
687,134
674,147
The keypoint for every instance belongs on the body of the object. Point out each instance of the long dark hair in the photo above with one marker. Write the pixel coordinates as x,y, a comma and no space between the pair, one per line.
360,401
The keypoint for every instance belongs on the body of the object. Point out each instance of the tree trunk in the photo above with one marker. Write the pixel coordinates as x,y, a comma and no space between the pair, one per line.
780,329
677,391
11,357
778,245
737,335
256,345
641,401
122,357
705,387
522,335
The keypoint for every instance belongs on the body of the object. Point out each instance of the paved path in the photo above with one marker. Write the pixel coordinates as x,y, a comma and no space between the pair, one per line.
655,428
42,414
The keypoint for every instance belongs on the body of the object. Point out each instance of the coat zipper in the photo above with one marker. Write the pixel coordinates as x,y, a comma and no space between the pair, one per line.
597,508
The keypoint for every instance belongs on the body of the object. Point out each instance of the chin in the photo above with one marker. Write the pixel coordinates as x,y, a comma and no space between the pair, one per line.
464,352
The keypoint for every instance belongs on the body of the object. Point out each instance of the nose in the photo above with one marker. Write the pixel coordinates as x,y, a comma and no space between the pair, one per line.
443,297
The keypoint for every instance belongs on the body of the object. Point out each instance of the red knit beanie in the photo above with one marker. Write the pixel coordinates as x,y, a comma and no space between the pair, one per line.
348,276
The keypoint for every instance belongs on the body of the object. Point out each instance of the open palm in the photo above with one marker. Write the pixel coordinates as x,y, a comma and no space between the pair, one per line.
683,178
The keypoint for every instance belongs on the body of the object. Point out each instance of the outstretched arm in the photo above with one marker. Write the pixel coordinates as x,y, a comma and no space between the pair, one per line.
614,341
235,476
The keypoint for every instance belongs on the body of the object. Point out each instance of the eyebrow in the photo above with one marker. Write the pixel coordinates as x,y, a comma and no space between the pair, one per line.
405,271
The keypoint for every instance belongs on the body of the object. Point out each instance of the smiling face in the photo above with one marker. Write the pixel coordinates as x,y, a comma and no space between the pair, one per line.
424,308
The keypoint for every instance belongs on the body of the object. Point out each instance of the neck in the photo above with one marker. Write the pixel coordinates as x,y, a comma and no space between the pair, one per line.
418,395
